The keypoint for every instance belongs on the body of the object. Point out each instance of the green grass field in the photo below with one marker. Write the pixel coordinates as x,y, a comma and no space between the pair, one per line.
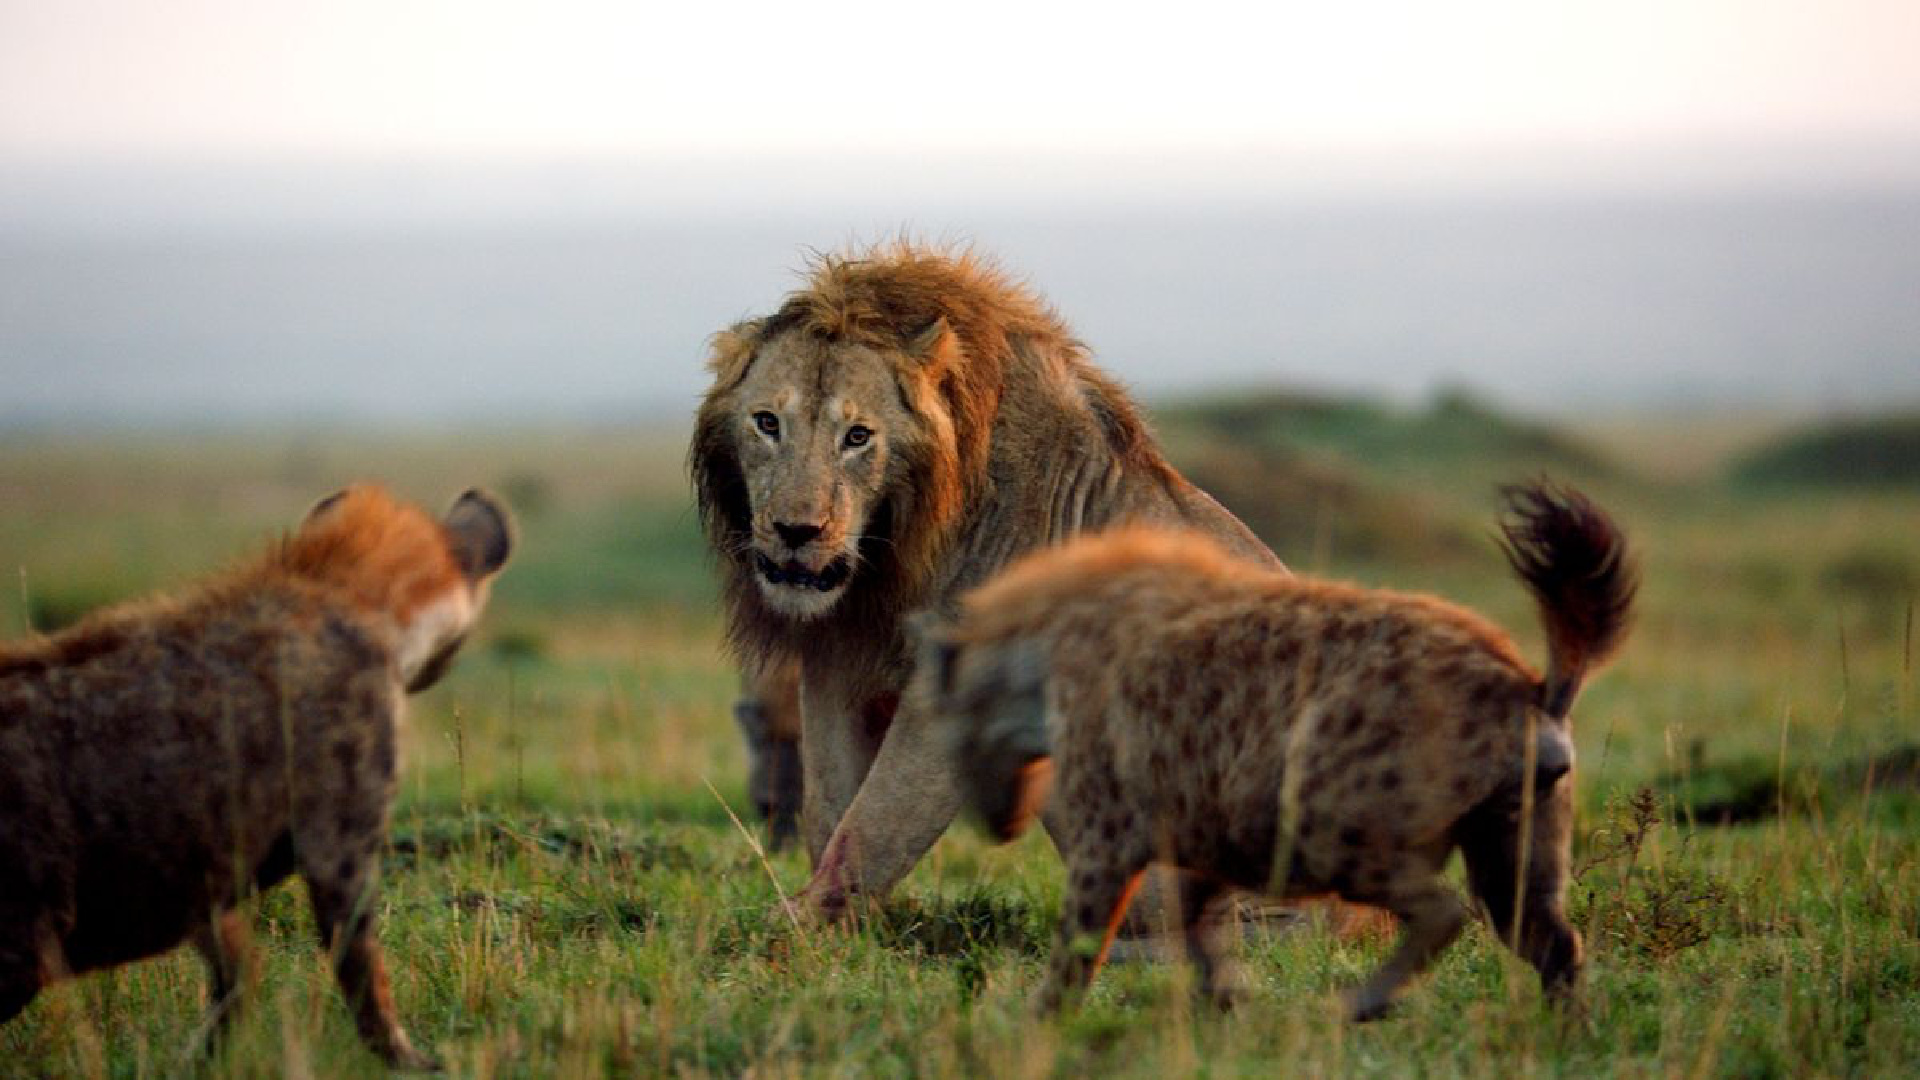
568,894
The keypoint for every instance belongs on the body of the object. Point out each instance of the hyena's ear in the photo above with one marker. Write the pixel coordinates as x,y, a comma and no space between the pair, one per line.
930,639
1014,669
321,508
480,529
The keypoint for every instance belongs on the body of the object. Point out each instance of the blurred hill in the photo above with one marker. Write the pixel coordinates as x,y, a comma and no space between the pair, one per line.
1455,431
1876,452
1344,480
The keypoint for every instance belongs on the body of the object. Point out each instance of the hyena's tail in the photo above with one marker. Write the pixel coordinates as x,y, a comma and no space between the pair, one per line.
1574,560
1006,771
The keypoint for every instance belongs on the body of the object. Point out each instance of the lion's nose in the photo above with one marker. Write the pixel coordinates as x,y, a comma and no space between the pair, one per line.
796,536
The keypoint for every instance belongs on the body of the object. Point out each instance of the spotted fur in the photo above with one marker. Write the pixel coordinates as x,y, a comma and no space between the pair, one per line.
161,761
1269,732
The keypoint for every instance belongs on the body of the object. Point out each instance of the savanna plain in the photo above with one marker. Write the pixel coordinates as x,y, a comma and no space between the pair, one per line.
575,885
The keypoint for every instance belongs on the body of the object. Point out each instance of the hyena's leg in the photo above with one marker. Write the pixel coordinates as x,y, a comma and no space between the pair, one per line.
19,982
339,826
1489,843
343,888
23,936
225,942
1431,914
773,772
1096,901
1145,935
1203,906
786,790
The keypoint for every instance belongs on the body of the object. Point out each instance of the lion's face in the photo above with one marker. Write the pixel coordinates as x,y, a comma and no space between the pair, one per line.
819,428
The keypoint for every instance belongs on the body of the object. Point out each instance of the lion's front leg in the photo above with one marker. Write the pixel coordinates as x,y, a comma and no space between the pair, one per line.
837,749
909,798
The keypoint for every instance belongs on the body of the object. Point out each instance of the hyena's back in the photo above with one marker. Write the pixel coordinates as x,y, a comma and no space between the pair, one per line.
157,763
1376,713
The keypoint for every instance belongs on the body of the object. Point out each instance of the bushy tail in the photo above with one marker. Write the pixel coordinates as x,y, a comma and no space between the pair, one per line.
1006,771
1574,560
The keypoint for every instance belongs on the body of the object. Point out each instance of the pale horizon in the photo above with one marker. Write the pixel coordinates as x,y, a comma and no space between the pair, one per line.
225,210
934,193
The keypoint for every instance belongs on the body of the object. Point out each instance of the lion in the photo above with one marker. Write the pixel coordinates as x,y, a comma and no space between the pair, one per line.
899,429
1167,704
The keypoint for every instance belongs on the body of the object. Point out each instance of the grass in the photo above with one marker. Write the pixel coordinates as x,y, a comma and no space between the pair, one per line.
565,894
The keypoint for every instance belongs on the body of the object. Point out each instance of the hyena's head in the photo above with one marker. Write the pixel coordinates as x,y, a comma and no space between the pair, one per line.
430,576
992,697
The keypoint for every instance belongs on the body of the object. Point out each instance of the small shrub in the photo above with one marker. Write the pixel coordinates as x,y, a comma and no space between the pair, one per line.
1765,579
1623,832
1658,915
1650,912
1882,579
520,643
530,494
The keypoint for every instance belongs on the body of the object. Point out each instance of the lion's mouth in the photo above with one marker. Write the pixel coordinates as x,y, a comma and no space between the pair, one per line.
826,579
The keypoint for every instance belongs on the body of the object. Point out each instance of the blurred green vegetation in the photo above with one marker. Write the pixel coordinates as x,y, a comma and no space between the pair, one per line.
1454,434
1875,452
1348,485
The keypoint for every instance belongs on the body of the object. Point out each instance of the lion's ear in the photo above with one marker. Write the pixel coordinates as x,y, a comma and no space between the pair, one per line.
936,346
732,351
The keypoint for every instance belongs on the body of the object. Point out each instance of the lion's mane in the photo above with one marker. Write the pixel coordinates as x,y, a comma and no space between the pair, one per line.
889,298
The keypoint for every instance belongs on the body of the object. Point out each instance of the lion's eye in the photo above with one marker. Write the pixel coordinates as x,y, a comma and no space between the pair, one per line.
768,424
858,436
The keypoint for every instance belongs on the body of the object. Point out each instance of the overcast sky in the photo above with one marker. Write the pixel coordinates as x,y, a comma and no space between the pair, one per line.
359,78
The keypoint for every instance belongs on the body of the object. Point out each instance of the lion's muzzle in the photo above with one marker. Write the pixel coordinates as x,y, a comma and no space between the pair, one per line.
793,574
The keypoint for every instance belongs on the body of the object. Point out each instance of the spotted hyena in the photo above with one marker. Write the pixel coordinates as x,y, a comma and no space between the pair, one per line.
161,761
768,712
1276,733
